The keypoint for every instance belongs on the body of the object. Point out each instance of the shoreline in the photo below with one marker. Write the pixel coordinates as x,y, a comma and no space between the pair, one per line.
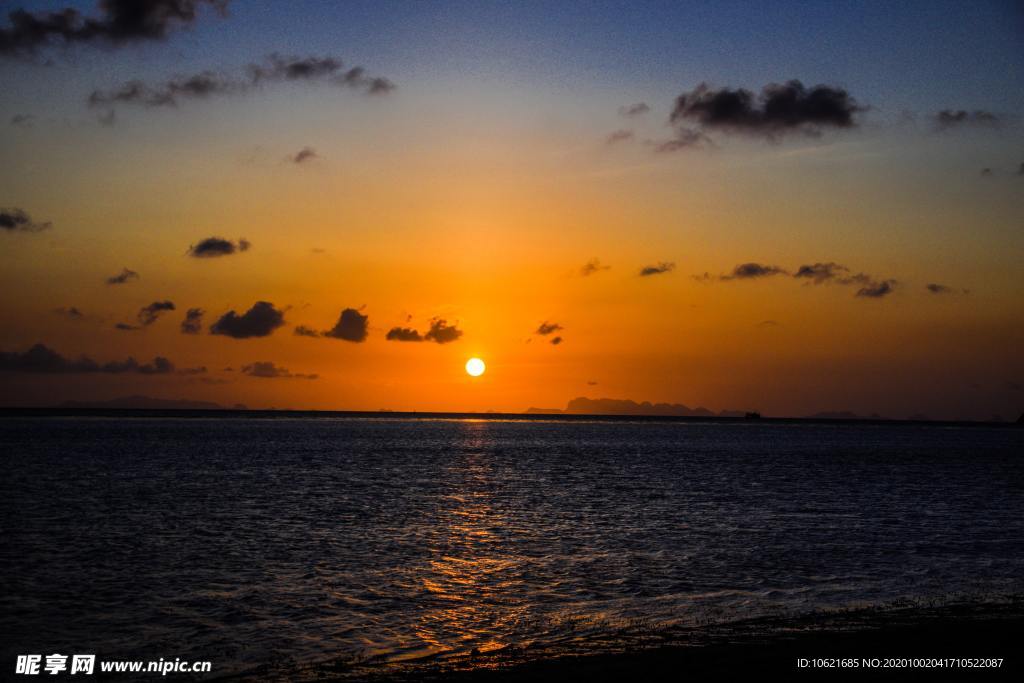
963,632
269,414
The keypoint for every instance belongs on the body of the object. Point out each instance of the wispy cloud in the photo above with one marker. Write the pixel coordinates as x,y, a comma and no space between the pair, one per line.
206,84
269,370
657,269
121,278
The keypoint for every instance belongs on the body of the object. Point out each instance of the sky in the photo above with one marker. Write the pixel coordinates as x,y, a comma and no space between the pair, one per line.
787,207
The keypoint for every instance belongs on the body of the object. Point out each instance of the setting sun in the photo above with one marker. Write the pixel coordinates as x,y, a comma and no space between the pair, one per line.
475,367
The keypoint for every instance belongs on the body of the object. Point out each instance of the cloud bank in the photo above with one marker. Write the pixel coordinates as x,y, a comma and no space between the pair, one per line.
118,22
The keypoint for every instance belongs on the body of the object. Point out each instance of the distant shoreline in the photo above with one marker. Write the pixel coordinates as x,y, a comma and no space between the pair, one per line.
221,413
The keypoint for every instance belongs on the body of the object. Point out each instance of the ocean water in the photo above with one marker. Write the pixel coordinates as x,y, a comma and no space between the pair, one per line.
243,541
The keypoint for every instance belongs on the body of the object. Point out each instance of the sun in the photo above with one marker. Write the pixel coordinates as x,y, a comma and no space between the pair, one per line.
475,367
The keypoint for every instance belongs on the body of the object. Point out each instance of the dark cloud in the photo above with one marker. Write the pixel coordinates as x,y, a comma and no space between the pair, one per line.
620,135
205,84
44,360
986,173
768,323
193,321
657,269
750,271
16,220
351,326
556,341
211,247
303,331
935,288
404,334
259,321
593,266
1020,169
124,276
22,120
268,370
118,22
149,314
125,327
547,328
777,110
821,272
877,290
69,312
303,155
818,273
591,383
634,109
441,332
949,118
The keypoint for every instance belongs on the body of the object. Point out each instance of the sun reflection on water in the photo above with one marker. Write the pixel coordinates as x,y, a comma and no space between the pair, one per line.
471,575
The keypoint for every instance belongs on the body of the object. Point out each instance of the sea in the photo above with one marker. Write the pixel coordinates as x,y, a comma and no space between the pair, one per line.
245,540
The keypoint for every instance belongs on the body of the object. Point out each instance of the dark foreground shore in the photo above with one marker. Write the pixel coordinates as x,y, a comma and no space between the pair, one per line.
952,642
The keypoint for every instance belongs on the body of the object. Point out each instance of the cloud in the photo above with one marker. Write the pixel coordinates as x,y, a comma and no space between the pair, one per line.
441,332
634,109
259,321
821,272
22,120
303,331
657,269
351,326
16,220
121,278
69,312
547,328
148,314
768,323
778,109
556,341
750,271
43,360
877,290
948,119
685,138
593,266
268,370
118,22
303,155
936,288
617,136
212,247
1020,169
403,334
986,173
125,327
193,321
274,69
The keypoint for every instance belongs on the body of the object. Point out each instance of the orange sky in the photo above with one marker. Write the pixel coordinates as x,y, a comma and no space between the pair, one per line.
478,202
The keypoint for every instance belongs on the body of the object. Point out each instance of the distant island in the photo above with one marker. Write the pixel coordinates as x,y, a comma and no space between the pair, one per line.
616,406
